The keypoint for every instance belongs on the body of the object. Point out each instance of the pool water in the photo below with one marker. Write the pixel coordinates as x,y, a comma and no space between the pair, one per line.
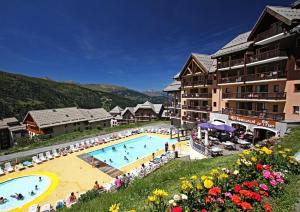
135,149
23,185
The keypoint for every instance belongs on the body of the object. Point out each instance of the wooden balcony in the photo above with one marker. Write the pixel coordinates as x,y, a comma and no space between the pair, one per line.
268,33
253,77
229,63
256,114
197,108
255,95
266,55
202,81
197,95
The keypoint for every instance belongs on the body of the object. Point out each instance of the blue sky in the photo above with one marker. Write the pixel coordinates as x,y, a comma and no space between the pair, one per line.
140,44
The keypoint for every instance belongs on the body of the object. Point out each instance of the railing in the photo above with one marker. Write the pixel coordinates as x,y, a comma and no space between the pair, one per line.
192,119
174,106
253,77
198,108
268,33
267,55
223,64
236,62
255,95
257,114
202,81
197,95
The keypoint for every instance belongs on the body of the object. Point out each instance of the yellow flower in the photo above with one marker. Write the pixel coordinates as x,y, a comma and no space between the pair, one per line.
266,150
246,152
238,162
223,176
194,177
204,177
214,172
160,193
287,149
208,184
199,187
132,210
114,207
236,172
182,178
253,159
151,198
186,185
284,155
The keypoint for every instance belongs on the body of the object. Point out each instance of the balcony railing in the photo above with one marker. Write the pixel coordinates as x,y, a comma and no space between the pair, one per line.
223,64
268,33
191,119
257,114
197,95
198,108
255,95
266,55
174,106
235,62
253,77
202,81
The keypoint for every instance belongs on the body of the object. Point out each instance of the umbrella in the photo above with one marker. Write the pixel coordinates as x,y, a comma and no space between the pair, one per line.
206,126
225,127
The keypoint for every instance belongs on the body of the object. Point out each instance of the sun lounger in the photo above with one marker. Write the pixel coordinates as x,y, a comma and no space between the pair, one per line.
42,157
49,156
20,167
46,208
83,145
8,167
74,148
1,172
36,160
54,153
34,208
27,164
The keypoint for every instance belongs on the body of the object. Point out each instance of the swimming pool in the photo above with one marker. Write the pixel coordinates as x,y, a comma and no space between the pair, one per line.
23,185
136,148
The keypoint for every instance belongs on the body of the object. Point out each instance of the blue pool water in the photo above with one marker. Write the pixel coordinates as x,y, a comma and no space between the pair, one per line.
23,185
134,150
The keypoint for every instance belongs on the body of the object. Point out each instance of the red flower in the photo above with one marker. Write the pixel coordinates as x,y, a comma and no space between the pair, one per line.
246,206
236,199
237,188
264,193
177,209
259,166
267,207
256,197
204,210
267,167
215,191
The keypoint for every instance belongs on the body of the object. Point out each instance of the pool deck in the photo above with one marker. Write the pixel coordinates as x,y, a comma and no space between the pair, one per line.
75,174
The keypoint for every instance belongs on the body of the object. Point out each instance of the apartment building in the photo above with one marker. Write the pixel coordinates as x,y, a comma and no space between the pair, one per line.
253,82
198,86
174,102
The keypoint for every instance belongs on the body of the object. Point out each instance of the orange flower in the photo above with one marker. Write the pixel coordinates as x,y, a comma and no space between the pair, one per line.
207,200
246,206
267,207
236,199
215,191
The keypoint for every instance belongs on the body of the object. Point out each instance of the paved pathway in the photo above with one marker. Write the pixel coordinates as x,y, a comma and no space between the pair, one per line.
31,152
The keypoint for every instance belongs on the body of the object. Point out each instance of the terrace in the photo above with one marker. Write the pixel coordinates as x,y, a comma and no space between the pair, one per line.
255,95
276,116
197,95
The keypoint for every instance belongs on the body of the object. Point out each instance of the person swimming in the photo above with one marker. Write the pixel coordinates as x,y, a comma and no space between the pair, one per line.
17,196
36,187
124,146
145,146
137,158
127,153
110,160
31,193
125,158
113,148
40,179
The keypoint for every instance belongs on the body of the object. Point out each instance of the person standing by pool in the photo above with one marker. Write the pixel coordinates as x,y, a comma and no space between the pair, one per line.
166,146
153,156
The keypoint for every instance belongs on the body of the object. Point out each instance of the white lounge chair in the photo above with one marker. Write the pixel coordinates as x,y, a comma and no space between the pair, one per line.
35,159
46,208
74,148
55,153
8,167
83,145
1,172
34,208
49,156
42,157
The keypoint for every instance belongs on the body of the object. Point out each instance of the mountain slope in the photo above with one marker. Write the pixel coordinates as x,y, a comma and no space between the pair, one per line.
19,94
126,92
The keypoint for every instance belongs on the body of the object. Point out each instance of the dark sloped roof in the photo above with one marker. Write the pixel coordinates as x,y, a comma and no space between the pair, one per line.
239,43
174,86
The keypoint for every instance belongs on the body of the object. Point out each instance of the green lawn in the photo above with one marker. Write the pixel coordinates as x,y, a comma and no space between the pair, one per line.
168,178
67,137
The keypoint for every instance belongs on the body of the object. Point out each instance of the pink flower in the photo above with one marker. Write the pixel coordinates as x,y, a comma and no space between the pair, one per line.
264,187
228,194
273,183
266,174
277,174
280,180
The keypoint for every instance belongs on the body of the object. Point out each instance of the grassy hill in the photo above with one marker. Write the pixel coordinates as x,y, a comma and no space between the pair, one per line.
20,94
126,92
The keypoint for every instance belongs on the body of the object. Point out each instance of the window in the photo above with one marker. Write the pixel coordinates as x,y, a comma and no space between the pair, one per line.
226,104
215,104
275,108
215,90
297,87
276,88
296,109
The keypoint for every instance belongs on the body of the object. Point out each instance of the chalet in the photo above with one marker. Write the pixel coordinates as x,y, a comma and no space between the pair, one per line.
63,120
148,111
116,111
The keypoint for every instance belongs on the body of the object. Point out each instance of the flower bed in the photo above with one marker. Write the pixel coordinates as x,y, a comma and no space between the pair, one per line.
248,185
